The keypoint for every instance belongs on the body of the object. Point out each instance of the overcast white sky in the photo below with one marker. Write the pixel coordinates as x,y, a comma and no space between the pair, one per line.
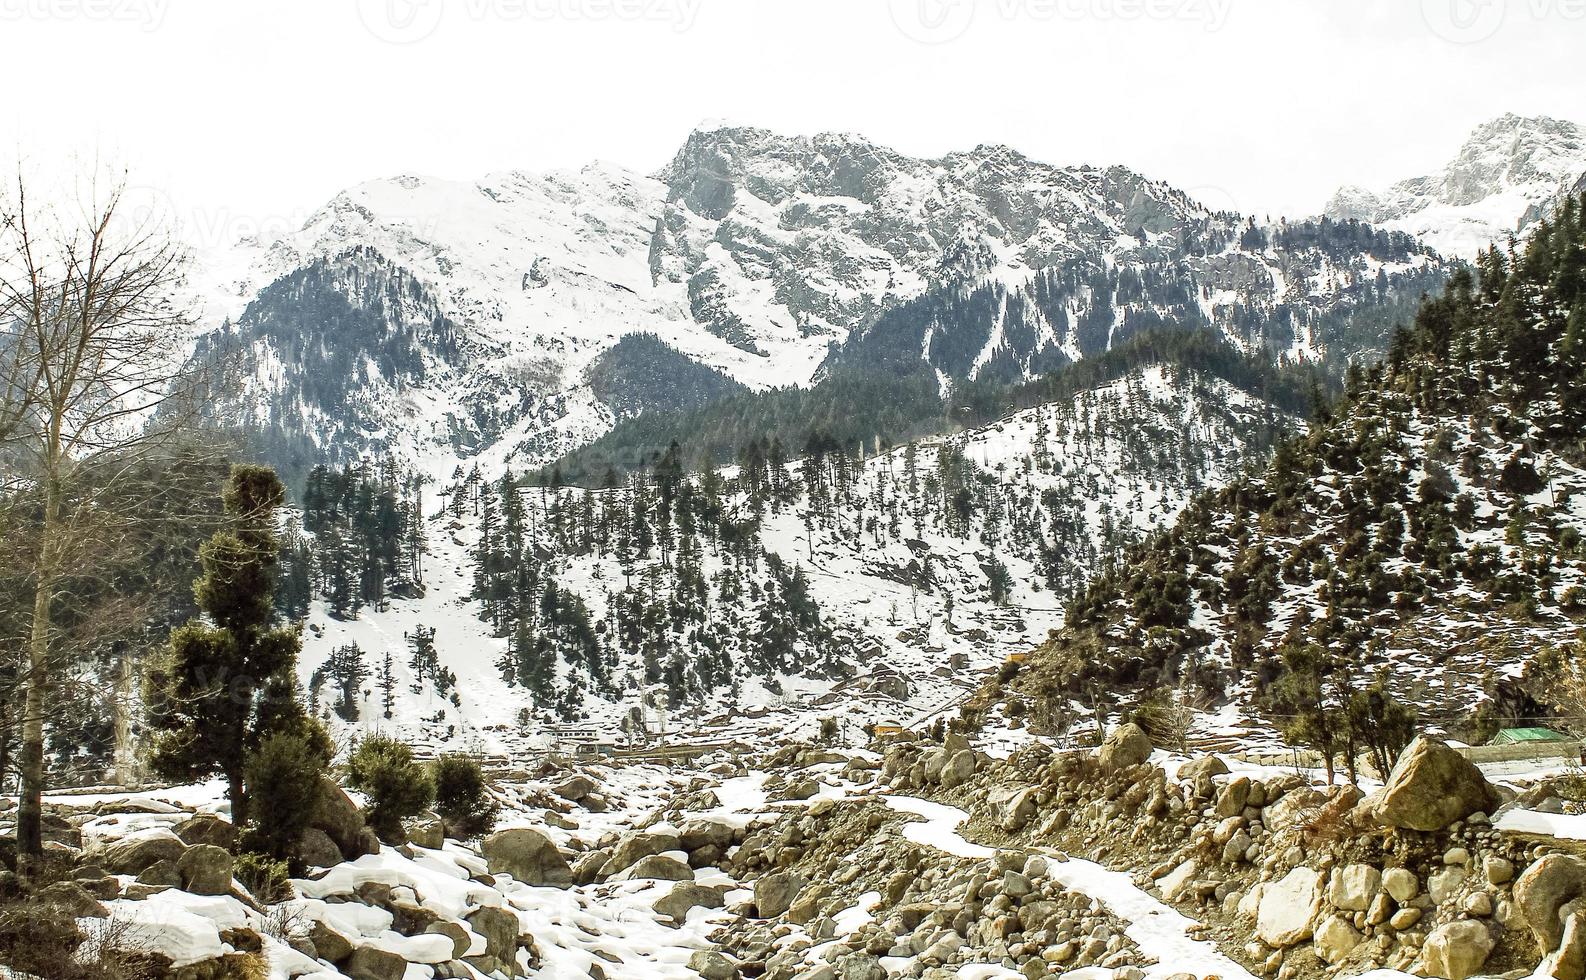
268,107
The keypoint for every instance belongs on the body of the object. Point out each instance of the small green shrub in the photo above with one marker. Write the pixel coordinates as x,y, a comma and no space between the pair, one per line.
264,877
383,769
461,796
282,774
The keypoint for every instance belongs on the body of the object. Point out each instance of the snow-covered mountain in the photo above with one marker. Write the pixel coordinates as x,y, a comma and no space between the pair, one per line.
1509,173
454,319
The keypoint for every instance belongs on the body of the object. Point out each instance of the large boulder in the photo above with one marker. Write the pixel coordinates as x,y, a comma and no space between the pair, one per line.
711,965
706,833
1336,938
587,869
661,867
1353,886
426,830
1124,746
73,899
1295,807
686,895
206,870
576,788
1457,950
1288,908
958,768
338,816
774,893
136,852
1012,807
207,828
332,946
1546,887
1431,786
635,847
528,856
499,928
316,850
373,963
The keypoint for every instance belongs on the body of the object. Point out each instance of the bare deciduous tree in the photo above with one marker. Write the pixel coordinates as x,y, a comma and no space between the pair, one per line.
94,394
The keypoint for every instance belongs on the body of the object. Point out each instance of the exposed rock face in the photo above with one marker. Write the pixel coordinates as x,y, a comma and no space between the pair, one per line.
1431,786
1500,183
1125,746
528,856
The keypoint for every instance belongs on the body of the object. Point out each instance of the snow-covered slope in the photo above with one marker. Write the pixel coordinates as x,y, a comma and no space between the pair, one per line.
751,256
884,550
1509,173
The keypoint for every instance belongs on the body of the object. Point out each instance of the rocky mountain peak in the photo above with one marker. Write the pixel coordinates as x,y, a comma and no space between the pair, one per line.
1502,179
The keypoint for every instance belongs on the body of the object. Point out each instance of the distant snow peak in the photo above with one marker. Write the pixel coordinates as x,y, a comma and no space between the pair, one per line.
1503,179
755,256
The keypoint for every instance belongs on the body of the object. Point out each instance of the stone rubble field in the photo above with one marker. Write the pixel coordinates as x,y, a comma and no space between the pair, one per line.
925,859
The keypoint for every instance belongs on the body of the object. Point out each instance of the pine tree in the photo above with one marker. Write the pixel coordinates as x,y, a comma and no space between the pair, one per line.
204,691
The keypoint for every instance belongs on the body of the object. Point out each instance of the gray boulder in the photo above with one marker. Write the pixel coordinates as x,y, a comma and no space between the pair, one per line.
711,965
135,853
660,867
206,870
1457,950
338,816
1542,892
774,893
206,828
1431,786
316,849
370,963
636,847
686,895
528,856
1124,746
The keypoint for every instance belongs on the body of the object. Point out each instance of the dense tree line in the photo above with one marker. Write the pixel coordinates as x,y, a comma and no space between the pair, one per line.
360,541
1435,489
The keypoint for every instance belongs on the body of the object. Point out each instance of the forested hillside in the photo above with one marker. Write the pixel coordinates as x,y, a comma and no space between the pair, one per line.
787,572
1429,527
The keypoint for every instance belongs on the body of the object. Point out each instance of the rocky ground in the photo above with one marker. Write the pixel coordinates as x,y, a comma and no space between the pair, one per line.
923,859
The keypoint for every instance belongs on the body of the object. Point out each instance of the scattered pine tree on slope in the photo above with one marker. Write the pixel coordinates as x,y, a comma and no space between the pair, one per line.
1429,525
